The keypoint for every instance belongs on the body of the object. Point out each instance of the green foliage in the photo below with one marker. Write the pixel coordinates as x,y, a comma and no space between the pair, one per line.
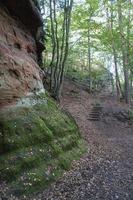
99,76
98,34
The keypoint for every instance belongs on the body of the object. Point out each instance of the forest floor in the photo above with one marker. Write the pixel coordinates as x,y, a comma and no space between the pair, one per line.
106,171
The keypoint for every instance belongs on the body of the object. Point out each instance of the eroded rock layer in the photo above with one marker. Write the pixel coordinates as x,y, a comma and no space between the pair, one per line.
20,75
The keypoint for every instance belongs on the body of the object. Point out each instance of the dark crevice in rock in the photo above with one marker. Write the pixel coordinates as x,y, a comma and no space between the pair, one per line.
29,49
27,11
1,73
34,77
17,46
14,32
14,73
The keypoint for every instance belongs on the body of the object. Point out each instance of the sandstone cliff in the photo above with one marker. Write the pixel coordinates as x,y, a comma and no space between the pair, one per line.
20,75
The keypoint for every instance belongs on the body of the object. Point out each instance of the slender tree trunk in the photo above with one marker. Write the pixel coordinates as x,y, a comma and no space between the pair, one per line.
89,58
53,45
111,26
124,53
68,22
55,76
128,46
61,50
117,80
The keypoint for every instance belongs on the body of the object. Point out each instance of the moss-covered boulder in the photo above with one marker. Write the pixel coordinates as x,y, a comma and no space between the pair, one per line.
36,145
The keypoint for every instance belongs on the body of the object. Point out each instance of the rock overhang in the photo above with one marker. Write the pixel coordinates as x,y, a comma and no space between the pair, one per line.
27,13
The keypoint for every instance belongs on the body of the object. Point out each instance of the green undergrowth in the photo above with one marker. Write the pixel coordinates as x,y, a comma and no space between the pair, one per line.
37,144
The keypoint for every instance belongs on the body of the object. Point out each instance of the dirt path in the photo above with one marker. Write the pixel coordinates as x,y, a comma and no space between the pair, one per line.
106,171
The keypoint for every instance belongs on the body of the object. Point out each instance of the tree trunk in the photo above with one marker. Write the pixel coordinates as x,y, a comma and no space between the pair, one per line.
89,58
53,45
124,53
68,22
111,26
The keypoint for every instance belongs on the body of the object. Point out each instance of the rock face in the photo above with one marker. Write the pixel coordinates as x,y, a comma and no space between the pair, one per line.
20,75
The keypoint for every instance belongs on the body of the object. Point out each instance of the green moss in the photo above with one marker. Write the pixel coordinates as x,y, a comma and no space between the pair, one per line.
66,158
37,144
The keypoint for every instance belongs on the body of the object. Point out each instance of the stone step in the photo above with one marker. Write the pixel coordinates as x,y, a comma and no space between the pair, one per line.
93,116
93,119
97,109
95,113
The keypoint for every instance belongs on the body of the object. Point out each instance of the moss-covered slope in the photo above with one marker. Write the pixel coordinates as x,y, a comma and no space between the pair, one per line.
36,145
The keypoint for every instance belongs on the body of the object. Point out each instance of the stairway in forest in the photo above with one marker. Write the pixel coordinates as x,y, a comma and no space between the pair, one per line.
95,113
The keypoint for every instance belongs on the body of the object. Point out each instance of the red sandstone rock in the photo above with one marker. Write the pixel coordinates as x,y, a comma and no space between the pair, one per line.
19,71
